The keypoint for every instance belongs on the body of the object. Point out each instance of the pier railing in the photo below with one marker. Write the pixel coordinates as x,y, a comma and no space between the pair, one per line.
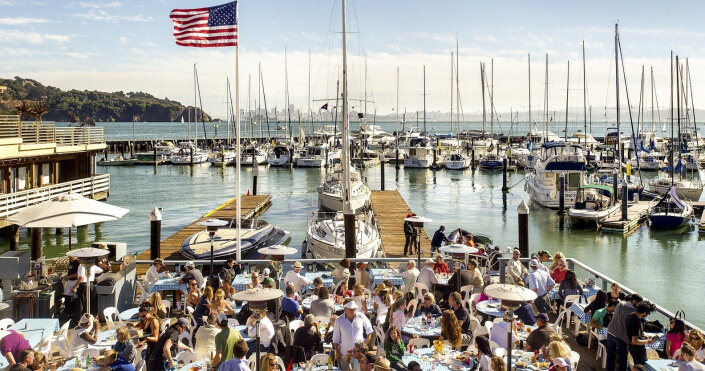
585,274
15,202
36,132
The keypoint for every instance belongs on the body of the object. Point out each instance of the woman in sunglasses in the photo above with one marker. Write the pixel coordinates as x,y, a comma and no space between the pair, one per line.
194,293
695,338
675,336
269,363
429,306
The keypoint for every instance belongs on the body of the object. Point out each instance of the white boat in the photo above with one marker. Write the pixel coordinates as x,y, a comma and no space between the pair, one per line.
330,192
253,156
317,155
281,155
648,161
542,184
457,161
420,154
223,158
593,203
584,139
186,151
391,155
325,238
685,188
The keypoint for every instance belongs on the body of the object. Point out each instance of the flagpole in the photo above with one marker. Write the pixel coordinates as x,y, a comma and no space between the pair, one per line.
238,255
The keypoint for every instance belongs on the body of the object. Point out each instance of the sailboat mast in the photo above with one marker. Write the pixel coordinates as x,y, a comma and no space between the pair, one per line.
349,215
228,104
310,118
491,96
424,99
451,91
195,109
567,90
584,98
457,89
672,148
397,110
545,104
286,88
678,110
529,64
484,110
616,74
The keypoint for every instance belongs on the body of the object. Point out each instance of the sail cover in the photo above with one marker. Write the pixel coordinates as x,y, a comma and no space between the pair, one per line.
674,196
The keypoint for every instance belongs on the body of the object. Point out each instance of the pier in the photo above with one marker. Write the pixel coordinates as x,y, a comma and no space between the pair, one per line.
637,214
252,207
390,210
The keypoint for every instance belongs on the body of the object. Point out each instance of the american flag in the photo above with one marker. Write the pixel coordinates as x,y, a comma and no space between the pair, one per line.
206,27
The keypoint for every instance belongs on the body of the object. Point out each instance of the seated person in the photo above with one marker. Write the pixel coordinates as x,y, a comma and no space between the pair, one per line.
308,336
440,266
114,363
290,307
84,334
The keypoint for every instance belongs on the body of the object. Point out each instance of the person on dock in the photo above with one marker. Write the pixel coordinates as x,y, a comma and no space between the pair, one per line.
617,338
438,239
541,283
192,273
408,237
296,278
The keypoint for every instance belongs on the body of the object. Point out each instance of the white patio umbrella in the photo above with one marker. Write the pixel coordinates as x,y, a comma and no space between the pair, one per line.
88,252
418,219
67,211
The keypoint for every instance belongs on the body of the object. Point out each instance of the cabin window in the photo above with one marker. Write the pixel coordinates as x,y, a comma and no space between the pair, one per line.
46,174
573,181
20,178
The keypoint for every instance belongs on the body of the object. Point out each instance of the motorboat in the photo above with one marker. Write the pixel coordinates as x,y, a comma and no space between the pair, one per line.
188,153
254,233
457,161
491,161
366,158
543,182
391,155
686,189
593,203
119,161
222,158
670,211
420,154
325,236
608,160
317,155
648,161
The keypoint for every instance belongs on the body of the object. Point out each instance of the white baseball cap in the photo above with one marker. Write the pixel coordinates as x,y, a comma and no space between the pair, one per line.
351,305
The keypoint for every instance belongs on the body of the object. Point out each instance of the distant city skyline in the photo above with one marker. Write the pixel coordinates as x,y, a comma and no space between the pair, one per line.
127,45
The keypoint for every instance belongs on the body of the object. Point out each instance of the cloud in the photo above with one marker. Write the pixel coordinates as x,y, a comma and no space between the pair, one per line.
114,4
32,37
20,21
149,44
122,40
103,16
78,55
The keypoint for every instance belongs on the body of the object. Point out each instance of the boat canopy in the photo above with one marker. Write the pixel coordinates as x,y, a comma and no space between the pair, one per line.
601,187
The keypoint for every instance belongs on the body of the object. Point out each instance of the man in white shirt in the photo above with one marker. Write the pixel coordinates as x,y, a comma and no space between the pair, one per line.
427,276
349,329
410,275
294,276
516,272
153,273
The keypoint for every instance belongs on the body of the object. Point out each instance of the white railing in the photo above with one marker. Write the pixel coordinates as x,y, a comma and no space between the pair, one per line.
47,132
13,203
76,136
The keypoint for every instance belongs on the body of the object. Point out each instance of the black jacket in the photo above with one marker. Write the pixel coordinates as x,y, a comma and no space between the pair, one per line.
408,229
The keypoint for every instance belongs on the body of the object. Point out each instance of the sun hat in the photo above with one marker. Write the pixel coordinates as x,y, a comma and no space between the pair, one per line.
183,322
297,265
560,362
159,261
351,305
189,264
86,318
382,364
534,263
381,287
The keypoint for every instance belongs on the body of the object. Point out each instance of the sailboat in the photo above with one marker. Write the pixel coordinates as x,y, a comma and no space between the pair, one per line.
326,237
670,211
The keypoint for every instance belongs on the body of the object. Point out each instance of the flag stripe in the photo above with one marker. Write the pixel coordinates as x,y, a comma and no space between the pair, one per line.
206,27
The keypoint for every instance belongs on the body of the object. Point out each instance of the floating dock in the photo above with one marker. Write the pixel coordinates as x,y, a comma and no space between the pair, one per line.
251,207
637,214
390,210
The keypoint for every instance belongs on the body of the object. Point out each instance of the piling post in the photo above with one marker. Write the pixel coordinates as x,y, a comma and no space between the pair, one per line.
472,162
255,173
523,218
381,170
155,235
504,175
625,199
396,155
467,149
615,188
156,160
191,154
434,158
561,194
36,243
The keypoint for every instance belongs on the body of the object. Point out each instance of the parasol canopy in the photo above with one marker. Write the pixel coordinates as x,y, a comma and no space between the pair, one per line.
510,292
418,219
66,211
88,252
258,294
458,249
277,250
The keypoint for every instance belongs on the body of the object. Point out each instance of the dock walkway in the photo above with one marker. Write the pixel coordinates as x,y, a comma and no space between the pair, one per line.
637,214
390,210
251,207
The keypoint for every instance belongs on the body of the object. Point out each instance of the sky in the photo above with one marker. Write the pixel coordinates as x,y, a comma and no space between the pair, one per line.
122,45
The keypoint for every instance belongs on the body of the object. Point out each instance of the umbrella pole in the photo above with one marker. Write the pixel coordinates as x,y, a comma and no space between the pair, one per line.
70,238
211,273
510,319
257,344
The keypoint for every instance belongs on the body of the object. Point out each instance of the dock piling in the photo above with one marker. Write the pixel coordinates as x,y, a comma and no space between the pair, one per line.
155,234
625,199
504,175
255,173
36,243
561,194
472,162
523,218
15,237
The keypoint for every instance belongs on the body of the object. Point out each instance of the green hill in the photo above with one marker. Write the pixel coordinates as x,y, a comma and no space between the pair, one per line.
99,106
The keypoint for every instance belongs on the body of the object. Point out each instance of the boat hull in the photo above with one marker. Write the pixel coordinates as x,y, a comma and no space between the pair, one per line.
590,216
457,165
197,246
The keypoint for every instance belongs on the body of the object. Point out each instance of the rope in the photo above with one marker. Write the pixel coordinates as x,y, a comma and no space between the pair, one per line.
517,183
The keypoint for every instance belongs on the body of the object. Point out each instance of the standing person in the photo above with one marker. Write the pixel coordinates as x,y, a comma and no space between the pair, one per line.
150,327
359,297
230,269
342,272
541,283
348,330
165,349
617,338
153,275
225,342
192,273
296,278
438,239
11,344
408,237
362,275
690,363
675,336
543,257
635,332
238,363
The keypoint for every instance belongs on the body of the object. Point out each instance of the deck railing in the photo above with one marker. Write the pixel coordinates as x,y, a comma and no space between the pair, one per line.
601,280
13,203
47,132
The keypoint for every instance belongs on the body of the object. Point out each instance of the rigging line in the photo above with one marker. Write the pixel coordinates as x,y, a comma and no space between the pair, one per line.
629,105
609,85
692,105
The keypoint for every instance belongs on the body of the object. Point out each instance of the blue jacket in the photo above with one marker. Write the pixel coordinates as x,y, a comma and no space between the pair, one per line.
438,238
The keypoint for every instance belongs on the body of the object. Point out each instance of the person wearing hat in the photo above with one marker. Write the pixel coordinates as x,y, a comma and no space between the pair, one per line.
382,364
559,364
540,282
165,350
296,278
224,341
349,329
382,301
84,334
541,336
543,257
153,274
408,236
192,273
427,276
205,336
362,275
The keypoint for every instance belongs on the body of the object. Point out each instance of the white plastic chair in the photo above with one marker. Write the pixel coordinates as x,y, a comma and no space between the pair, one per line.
295,325
61,340
569,300
676,354
185,339
420,289
602,351
557,326
167,305
90,352
280,362
500,352
138,354
319,359
143,293
488,327
413,303
140,365
164,325
575,359
108,313
6,323
186,357
466,293
253,359
420,342
476,328
494,346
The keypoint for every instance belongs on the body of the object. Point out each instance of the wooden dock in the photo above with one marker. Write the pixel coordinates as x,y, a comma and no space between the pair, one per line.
390,210
251,207
637,214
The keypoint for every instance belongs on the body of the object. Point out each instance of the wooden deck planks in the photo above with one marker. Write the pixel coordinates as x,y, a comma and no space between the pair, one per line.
390,210
637,213
251,207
